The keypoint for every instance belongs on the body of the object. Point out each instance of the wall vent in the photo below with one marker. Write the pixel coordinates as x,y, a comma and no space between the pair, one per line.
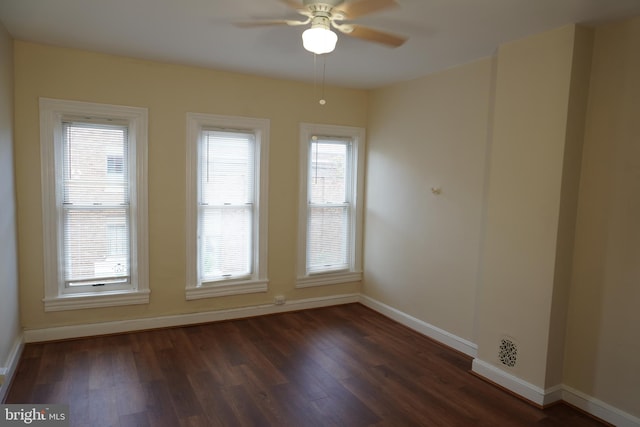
508,352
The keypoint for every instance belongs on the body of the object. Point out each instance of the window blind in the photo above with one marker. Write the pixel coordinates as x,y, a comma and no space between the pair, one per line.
329,211
95,204
226,204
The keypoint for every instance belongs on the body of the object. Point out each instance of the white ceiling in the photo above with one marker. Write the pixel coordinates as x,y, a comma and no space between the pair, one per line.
442,33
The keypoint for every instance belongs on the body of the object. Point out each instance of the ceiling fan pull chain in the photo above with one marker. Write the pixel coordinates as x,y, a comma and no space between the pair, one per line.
323,101
315,76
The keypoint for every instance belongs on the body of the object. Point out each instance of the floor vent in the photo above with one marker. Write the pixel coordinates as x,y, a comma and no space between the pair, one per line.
508,352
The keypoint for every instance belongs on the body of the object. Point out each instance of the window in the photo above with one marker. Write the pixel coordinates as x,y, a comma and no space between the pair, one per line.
330,215
227,205
94,204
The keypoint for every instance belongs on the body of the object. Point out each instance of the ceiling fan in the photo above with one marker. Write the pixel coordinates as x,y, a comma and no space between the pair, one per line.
322,15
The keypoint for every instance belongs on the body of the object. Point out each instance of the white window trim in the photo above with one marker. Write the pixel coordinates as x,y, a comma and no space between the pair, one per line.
354,273
52,111
258,281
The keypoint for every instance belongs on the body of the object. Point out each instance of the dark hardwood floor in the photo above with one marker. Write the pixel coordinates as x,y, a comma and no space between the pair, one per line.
336,366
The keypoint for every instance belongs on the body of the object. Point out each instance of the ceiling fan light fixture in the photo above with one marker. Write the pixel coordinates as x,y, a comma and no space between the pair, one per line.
319,40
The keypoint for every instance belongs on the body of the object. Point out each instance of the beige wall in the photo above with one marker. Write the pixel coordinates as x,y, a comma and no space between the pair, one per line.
421,249
169,92
524,201
603,338
9,316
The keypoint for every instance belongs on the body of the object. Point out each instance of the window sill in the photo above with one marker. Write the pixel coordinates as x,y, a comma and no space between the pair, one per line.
328,279
105,299
226,288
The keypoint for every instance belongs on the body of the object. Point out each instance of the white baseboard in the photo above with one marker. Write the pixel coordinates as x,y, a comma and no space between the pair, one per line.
440,335
9,369
598,408
516,385
541,397
105,328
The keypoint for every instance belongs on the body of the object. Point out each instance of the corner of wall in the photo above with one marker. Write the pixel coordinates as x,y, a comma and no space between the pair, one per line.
10,333
569,191
8,370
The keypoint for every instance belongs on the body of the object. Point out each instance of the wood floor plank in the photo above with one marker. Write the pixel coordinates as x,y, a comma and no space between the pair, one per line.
375,397
135,420
213,399
160,408
335,366
296,411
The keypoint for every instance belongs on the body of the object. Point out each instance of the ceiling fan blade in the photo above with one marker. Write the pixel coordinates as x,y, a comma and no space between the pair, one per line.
357,8
293,4
270,22
372,35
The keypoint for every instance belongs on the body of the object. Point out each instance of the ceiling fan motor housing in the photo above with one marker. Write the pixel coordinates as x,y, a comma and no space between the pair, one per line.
321,22
328,3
